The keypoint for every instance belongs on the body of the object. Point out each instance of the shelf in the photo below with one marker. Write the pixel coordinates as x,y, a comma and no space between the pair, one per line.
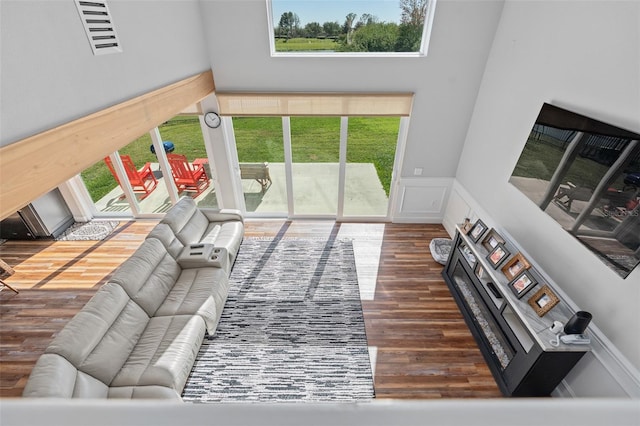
513,339
518,329
482,276
467,253
538,327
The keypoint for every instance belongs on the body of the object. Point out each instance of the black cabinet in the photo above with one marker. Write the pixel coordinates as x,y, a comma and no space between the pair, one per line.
515,342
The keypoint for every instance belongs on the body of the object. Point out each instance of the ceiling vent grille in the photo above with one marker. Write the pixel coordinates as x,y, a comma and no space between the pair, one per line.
98,25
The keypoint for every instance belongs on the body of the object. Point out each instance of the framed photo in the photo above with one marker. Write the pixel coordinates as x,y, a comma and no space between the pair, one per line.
543,300
514,266
497,255
479,228
522,283
492,240
466,226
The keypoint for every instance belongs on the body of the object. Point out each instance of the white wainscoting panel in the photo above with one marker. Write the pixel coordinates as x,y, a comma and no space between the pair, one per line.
457,209
421,200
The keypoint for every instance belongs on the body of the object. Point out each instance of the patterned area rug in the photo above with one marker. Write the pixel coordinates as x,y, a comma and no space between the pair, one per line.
292,329
94,230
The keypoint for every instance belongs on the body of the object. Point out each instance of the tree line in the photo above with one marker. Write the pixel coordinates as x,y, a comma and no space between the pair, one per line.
365,33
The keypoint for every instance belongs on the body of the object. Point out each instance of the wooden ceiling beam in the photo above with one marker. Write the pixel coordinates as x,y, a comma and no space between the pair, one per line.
33,166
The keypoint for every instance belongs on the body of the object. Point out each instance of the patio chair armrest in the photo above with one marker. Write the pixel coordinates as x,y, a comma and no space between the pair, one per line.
146,168
194,168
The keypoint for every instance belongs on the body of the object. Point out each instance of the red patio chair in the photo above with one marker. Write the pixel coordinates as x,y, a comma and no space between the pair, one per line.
188,177
142,181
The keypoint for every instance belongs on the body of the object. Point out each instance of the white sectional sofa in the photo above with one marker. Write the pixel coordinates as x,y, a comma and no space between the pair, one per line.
139,335
186,224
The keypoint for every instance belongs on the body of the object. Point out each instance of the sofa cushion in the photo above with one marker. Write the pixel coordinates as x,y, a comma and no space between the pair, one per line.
148,276
154,280
186,221
201,291
99,338
164,354
163,233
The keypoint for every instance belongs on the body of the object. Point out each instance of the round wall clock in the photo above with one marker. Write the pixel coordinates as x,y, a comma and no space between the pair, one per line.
212,119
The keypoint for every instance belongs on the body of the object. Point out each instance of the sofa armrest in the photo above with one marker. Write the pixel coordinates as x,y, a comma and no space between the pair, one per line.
52,377
144,392
222,215
55,377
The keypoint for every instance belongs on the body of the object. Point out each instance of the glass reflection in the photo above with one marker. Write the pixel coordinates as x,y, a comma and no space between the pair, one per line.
586,175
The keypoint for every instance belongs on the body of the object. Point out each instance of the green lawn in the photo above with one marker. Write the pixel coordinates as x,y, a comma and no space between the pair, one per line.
317,139
305,44
314,139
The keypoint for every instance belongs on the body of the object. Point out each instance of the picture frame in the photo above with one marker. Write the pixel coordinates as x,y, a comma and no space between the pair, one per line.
477,231
515,265
497,255
492,240
466,226
543,300
521,284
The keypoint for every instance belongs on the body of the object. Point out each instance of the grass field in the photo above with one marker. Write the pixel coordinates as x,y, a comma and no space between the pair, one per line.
314,139
305,44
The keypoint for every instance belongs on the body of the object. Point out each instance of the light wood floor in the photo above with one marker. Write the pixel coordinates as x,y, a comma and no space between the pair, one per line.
421,345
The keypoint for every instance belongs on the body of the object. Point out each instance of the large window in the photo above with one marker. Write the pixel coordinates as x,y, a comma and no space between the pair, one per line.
326,154
348,27
318,166
147,188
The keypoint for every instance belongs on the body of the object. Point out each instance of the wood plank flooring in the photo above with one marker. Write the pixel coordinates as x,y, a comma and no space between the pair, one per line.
420,343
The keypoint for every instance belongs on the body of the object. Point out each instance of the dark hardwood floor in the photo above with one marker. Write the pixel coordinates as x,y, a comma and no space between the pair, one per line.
420,343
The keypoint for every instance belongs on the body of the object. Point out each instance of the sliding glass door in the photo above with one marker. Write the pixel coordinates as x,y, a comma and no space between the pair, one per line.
315,148
321,167
260,148
371,149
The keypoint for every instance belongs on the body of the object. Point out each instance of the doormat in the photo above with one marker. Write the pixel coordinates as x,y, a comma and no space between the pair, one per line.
94,230
292,329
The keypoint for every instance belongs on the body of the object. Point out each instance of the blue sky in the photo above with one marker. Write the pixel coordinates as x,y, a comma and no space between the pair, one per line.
322,11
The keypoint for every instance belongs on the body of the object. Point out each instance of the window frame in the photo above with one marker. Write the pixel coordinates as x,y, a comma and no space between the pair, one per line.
424,44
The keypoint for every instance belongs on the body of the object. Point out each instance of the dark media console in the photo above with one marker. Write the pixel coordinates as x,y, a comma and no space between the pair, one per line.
514,340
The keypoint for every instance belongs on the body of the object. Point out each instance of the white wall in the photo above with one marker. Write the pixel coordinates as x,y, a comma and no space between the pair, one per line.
49,75
443,412
584,56
445,82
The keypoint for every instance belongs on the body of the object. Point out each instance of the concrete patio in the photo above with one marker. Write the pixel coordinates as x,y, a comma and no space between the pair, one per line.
315,187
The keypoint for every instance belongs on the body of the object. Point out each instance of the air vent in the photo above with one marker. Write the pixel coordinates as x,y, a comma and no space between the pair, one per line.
98,25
